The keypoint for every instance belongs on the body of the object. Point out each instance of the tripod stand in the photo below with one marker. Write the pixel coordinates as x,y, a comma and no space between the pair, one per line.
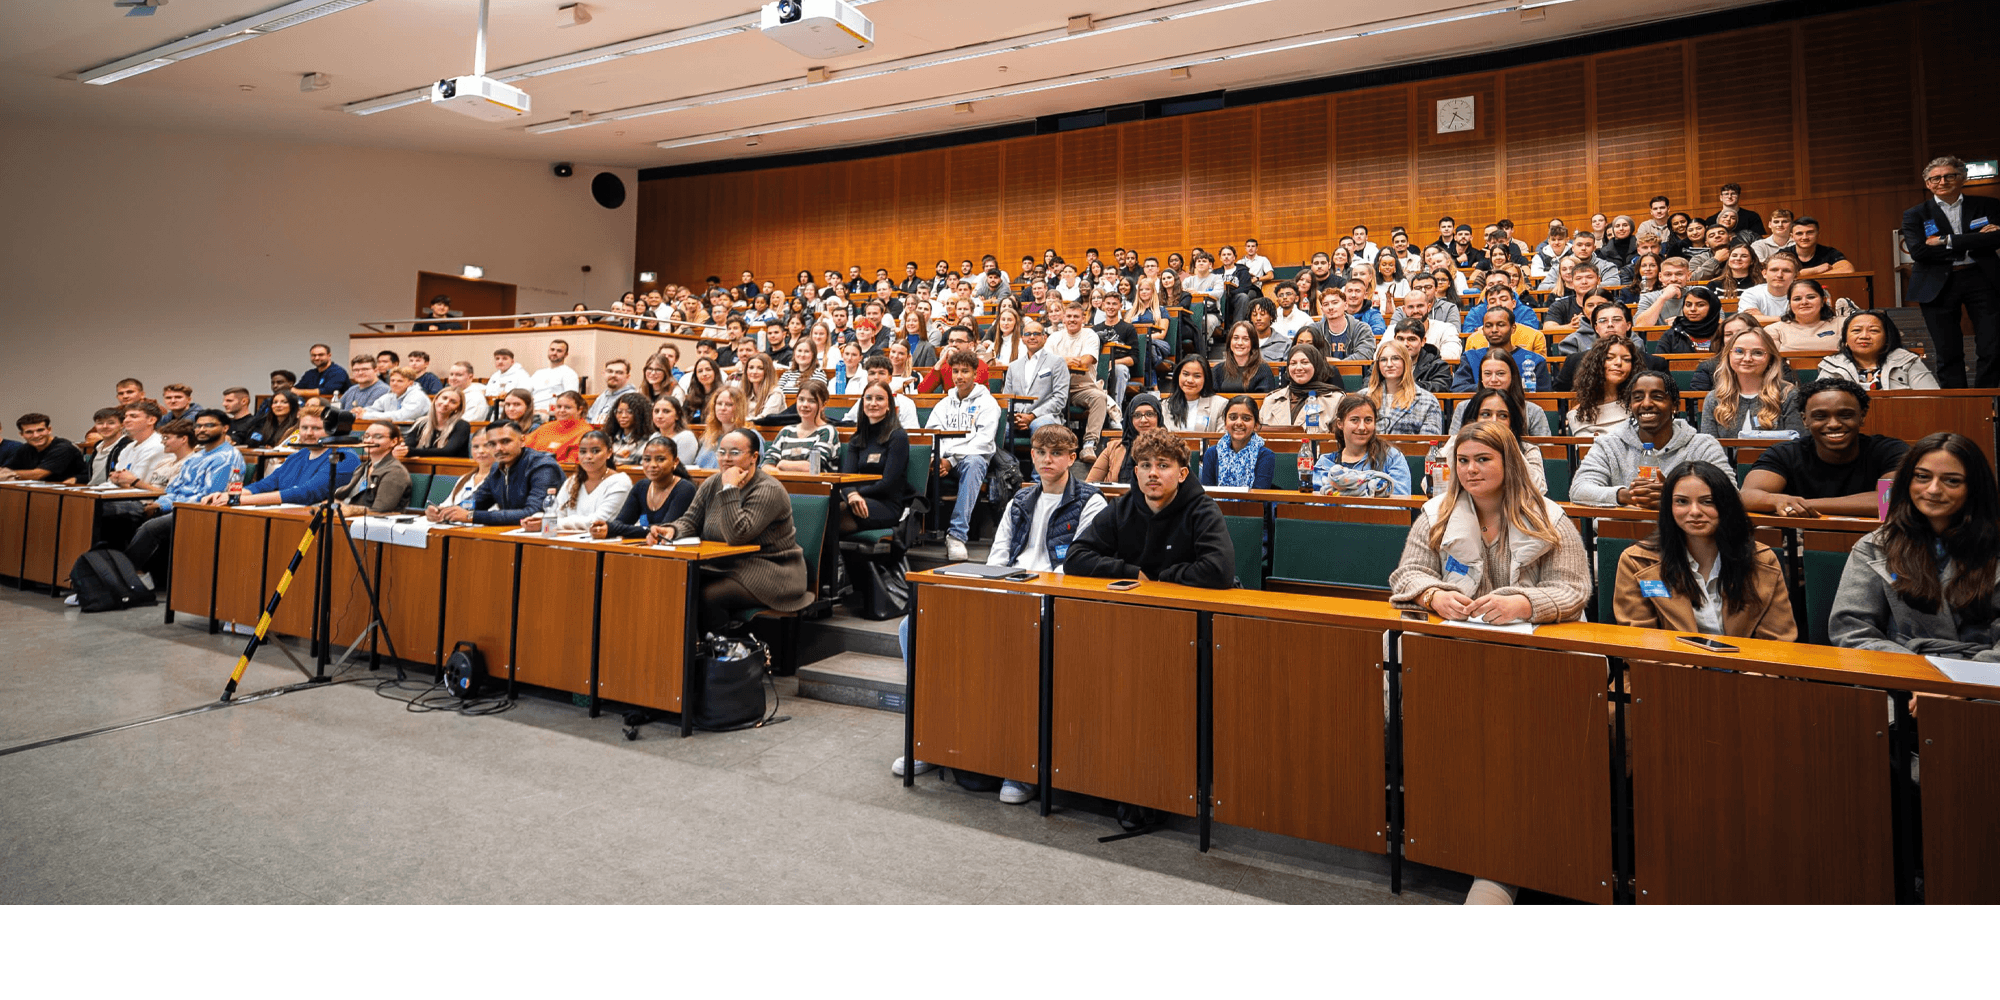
327,517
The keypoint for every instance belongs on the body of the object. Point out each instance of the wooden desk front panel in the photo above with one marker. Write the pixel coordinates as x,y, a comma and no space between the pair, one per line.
1912,417
479,601
979,687
39,560
294,616
409,596
79,530
1960,747
1758,789
1507,764
13,530
239,568
1298,731
642,633
194,558
552,643
1124,711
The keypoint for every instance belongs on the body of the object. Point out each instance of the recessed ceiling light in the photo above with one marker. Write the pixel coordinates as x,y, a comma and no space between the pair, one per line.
1003,69
245,87
752,142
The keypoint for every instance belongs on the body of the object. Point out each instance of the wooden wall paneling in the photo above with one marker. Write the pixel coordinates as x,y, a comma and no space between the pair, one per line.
1030,199
921,184
1742,83
1219,178
1961,800
1956,40
733,209
1457,172
1546,154
774,241
1641,129
973,205
1371,159
1859,130
1292,192
871,218
693,258
1152,185
1090,190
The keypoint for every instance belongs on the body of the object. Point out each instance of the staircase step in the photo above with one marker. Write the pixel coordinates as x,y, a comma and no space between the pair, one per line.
857,679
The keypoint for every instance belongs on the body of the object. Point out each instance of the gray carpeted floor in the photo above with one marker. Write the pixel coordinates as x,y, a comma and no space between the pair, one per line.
338,795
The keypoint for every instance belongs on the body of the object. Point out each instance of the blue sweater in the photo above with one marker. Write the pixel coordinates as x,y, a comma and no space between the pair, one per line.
303,478
514,493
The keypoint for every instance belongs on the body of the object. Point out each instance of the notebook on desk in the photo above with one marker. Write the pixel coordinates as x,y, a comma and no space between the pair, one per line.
977,571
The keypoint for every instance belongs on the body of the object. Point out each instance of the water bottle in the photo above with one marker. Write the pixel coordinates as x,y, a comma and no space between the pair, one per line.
1649,462
1306,466
1311,421
235,485
549,516
1527,378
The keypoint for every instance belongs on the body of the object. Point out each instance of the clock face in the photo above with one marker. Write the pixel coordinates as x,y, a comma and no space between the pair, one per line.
1454,114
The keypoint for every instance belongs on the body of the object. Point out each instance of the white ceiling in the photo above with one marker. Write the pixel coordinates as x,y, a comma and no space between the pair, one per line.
387,46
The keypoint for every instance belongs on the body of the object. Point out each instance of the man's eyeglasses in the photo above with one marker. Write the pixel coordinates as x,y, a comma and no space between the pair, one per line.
1941,178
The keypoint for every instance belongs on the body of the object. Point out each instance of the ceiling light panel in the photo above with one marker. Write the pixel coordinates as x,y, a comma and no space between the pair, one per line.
220,37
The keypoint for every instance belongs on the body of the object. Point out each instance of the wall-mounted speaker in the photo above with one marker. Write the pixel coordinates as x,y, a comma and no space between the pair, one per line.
608,189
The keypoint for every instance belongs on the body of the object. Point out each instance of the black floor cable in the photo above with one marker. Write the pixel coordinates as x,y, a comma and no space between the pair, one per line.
184,713
424,701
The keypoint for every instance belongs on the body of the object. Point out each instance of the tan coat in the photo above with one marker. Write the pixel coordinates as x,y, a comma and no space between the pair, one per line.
1767,616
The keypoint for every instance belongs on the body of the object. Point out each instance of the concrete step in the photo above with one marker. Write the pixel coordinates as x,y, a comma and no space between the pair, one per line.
857,679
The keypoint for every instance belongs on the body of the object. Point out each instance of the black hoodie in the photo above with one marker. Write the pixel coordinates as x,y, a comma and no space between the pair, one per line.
1186,543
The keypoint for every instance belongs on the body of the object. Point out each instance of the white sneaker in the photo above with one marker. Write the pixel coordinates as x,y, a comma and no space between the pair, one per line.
72,600
147,579
954,548
923,767
1014,793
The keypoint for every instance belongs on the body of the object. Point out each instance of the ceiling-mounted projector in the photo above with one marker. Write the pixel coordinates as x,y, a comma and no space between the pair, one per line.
481,97
818,29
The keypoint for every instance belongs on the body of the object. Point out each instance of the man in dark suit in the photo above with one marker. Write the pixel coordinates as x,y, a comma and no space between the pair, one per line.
1952,237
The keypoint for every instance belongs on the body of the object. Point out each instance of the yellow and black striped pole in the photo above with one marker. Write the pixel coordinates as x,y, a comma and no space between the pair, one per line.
271,607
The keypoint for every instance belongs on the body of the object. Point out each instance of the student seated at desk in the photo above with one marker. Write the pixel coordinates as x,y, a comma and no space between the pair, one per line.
1752,397
669,423
661,500
1356,447
704,380
480,448
1036,530
144,451
278,423
629,425
405,401
1242,368
1114,463
1702,570
1835,469
43,457
1166,529
1403,407
1240,458
1928,580
1500,407
304,478
565,429
969,407
380,484
1872,354
1191,402
1615,472
876,370
1311,389
1600,385
726,410
742,505
593,494
879,447
517,407
107,428
521,484
442,433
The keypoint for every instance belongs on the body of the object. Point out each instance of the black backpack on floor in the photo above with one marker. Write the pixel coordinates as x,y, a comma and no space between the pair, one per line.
104,580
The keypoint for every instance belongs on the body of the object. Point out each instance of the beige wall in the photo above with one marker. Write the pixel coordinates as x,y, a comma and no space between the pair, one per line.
211,261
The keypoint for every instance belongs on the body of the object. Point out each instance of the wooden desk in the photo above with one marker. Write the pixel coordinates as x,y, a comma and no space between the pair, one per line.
1503,763
45,529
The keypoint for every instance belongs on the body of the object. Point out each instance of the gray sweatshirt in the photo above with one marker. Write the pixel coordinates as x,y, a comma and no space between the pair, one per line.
1614,460
1869,614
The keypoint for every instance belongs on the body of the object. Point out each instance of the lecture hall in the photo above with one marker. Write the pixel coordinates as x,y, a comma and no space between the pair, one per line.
881,451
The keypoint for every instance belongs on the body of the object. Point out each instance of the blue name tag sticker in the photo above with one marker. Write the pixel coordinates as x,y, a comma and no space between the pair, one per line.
1930,228
1977,223
1062,553
1453,566
1653,588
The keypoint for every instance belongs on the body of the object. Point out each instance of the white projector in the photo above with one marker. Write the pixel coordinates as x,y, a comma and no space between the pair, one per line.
481,97
818,29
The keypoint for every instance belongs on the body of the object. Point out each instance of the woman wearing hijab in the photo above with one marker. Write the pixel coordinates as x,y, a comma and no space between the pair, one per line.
1308,376
1694,329
1142,414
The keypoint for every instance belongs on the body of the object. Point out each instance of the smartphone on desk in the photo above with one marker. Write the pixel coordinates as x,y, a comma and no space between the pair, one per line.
1020,576
1122,585
1704,642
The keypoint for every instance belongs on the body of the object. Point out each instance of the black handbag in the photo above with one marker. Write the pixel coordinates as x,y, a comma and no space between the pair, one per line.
881,586
731,671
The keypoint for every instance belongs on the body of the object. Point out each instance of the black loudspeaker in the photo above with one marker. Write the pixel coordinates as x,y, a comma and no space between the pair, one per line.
563,169
464,670
608,189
